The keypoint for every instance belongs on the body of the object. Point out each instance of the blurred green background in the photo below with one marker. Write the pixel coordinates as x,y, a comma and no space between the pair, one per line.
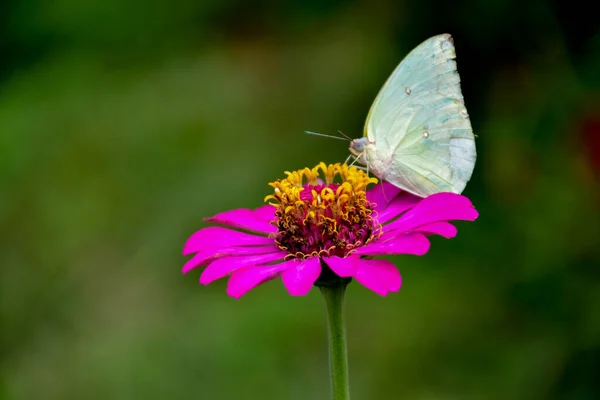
123,123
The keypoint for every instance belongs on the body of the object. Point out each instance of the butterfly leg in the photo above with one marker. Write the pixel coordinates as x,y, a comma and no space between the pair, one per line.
356,158
354,162
383,192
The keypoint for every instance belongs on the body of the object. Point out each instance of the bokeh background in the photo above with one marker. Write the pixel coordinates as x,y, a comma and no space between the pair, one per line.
123,123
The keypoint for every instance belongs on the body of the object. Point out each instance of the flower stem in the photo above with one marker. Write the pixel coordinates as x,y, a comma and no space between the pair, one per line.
338,355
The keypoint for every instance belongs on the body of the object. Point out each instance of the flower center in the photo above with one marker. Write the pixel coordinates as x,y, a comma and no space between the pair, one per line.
323,211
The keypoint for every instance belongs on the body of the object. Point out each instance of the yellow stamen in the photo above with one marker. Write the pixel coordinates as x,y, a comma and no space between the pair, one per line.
332,218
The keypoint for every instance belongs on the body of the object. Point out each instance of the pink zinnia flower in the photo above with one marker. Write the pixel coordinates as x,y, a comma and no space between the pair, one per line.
322,220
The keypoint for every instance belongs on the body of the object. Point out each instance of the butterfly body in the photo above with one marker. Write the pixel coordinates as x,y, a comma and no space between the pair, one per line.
418,135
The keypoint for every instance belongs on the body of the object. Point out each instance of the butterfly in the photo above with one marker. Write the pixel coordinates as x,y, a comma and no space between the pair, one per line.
418,135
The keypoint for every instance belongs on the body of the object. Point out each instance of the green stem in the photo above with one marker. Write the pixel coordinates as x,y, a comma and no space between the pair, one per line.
338,355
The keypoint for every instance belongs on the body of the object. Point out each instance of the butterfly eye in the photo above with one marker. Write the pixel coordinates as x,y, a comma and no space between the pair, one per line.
358,145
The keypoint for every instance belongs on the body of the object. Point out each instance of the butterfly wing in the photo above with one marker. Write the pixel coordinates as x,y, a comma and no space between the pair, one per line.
423,140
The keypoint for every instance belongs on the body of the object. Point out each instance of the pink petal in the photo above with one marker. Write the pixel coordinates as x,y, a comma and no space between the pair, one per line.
300,276
444,229
209,255
382,194
414,243
265,213
244,218
215,236
437,207
381,276
343,267
226,265
400,204
245,279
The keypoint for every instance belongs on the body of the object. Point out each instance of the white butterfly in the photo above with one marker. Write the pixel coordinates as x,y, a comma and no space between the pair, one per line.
418,135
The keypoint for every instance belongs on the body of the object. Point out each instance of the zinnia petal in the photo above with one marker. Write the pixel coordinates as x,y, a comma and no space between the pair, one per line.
209,255
412,243
400,204
343,267
265,213
217,237
299,276
444,229
244,218
226,265
381,276
382,194
437,207
245,279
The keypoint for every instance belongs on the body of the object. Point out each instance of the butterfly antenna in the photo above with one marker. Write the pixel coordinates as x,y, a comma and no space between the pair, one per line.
344,137
342,134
